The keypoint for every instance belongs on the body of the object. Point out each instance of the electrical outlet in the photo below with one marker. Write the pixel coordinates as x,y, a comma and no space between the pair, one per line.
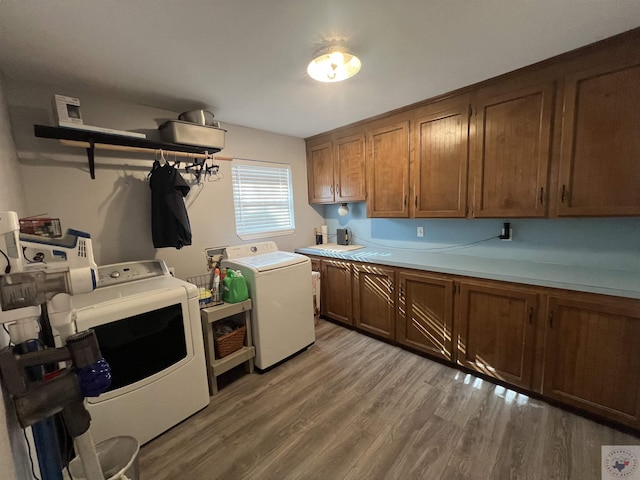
507,232
420,232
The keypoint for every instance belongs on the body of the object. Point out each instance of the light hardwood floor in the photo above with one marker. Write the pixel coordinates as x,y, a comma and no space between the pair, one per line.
352,407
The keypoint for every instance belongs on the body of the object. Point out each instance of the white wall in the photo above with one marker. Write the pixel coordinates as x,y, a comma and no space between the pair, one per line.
115,207
40,176
13,456
12,195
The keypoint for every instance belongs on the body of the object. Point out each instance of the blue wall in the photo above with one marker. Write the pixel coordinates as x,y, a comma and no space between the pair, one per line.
611,243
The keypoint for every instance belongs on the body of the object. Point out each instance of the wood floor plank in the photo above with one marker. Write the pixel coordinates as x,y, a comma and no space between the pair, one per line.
515,459
427,451
393,432
352,407
475,454
337,420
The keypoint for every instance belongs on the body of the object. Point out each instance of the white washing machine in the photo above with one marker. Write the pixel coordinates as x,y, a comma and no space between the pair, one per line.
279,285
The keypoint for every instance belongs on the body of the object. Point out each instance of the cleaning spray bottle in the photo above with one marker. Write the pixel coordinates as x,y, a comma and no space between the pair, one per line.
216,285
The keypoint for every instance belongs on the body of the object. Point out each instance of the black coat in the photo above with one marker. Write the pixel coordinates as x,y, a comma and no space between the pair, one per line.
169,221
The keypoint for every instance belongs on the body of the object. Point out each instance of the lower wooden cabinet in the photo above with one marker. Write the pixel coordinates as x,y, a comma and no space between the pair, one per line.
315,265
425,313
336,291
585,356
496,330
592,358
374,299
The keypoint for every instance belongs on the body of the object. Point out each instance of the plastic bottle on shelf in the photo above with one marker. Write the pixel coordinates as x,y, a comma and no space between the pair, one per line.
216,285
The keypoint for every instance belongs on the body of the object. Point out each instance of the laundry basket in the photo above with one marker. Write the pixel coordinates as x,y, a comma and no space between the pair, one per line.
227,343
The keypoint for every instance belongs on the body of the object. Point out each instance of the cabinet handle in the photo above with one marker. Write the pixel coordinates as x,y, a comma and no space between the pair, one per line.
530,315
564,191
405,200
551,318
415,201
331,189
338,189
541,195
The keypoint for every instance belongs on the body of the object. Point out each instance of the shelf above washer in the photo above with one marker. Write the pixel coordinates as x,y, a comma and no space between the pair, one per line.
91,140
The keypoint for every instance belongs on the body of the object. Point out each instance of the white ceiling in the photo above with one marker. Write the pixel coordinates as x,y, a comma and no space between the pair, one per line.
246,59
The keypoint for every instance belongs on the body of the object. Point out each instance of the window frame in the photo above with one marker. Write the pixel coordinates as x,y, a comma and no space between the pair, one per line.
247,206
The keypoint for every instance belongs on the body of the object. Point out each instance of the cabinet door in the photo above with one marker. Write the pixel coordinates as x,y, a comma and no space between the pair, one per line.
592,359
600,153
349,168
374,300
315,265
336,291
511,154
320,173
440,161
388,171
425,313
496,331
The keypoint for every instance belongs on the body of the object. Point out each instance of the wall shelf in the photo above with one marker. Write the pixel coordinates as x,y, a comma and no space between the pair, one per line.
91,140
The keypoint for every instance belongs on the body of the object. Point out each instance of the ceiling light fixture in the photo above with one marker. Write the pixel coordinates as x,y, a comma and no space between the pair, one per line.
333,63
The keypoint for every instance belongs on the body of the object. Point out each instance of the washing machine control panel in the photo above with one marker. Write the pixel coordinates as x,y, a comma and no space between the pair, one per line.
130,271
249,250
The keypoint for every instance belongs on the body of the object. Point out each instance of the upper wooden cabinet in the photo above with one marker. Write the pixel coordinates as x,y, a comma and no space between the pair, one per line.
496,330
425,313
439,161
374,299
320,172
558,138
511,152
600,153
592,359
388,170
336,169
349,168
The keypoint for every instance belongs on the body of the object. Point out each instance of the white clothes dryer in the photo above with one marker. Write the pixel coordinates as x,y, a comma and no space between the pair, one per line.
279,285
148,327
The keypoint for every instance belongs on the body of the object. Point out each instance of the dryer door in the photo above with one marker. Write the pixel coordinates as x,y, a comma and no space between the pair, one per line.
142,338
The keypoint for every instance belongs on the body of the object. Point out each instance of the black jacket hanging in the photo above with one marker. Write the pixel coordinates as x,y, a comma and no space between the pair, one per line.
169,221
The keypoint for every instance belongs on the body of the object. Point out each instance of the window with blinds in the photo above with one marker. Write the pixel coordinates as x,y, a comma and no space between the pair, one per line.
263,199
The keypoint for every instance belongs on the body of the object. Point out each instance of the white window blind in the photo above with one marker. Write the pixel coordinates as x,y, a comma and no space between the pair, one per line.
263,199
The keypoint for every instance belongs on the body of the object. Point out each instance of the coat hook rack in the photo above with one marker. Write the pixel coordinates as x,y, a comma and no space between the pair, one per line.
103,141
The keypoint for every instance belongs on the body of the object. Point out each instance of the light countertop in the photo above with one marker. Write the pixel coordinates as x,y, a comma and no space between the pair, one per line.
621,283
